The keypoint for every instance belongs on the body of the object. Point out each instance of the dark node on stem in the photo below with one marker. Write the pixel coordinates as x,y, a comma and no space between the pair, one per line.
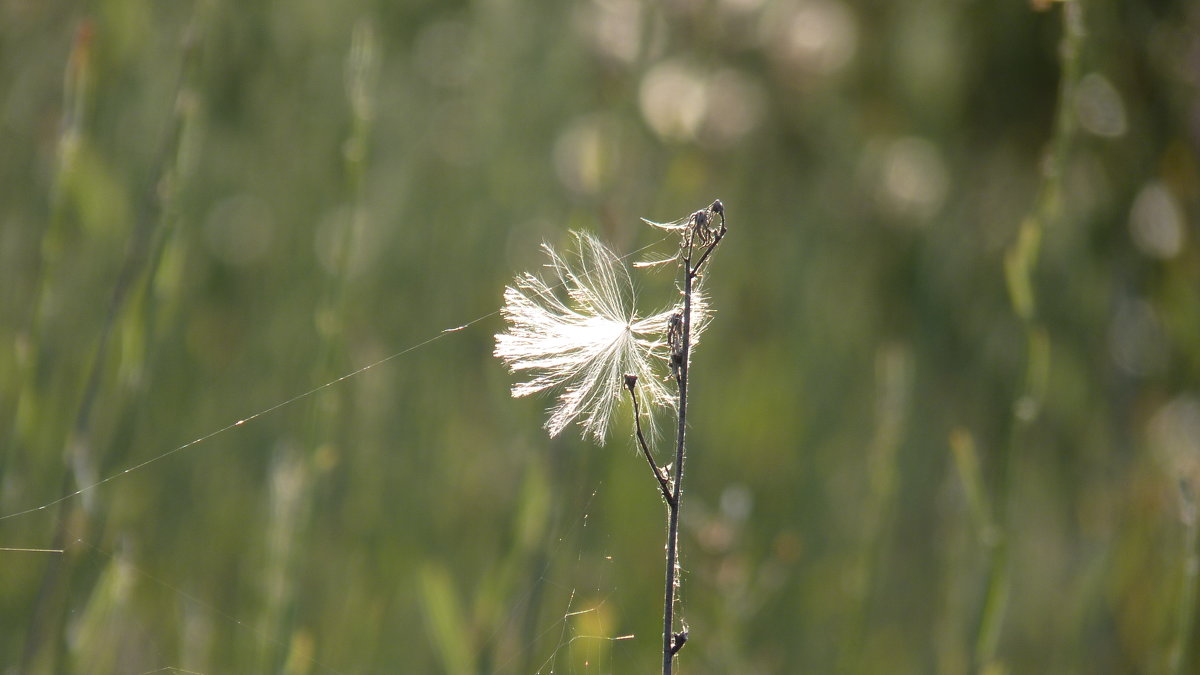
630,382
719,209
675,342
678,640
675,333
706,233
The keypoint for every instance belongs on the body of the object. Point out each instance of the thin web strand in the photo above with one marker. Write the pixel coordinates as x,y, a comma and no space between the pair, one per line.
567,633
283,404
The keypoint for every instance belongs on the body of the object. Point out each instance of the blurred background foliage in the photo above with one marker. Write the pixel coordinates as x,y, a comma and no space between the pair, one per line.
947,418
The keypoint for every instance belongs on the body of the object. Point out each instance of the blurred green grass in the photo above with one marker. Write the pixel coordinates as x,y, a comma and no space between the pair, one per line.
208,208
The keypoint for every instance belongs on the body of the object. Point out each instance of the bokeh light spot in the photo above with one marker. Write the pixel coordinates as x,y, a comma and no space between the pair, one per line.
1174,436
613,28
913,178
673,99
1156,222
816,38
1099,107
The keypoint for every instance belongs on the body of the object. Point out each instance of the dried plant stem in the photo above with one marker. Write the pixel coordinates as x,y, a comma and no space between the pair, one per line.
672,644
659,473
672,641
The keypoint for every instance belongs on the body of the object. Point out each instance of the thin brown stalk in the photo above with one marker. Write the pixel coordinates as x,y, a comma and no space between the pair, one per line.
660,473
698,228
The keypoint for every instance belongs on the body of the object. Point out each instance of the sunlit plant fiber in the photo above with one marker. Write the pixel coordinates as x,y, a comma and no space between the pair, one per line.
592,343
584,343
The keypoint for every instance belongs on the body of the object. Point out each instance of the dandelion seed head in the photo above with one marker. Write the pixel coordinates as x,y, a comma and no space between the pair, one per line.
578,333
